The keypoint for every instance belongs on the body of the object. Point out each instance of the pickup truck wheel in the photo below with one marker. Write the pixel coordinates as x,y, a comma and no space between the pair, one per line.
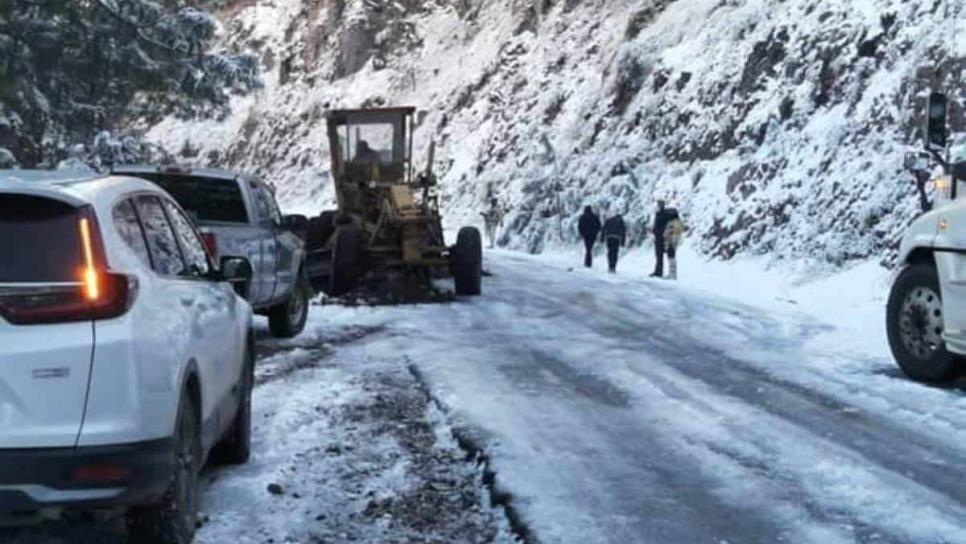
288,318
914,324
236,446
468,262
346,260
174,520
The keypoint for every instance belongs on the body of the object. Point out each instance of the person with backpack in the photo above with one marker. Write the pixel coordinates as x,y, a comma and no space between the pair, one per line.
614,234
672,239
668,229
589,227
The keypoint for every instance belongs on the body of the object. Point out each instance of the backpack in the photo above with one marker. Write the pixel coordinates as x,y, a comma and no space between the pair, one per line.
673,233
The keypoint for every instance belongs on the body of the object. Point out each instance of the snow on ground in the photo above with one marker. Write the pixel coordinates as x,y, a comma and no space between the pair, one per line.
353,452
621,409
854,295
739,404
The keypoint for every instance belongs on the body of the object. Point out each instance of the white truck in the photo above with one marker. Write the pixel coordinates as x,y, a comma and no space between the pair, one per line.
926,311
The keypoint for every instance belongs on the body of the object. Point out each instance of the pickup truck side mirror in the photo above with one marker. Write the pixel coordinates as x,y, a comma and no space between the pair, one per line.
937,131
295,223
238,272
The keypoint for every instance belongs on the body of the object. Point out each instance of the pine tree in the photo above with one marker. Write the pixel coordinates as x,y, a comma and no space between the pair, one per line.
70,69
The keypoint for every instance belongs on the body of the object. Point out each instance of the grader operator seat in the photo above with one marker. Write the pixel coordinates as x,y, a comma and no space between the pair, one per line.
371,152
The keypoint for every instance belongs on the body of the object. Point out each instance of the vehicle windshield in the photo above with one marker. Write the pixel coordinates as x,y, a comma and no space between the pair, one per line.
368,144
205,199
39,240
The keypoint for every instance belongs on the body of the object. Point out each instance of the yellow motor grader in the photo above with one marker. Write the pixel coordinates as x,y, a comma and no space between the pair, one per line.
387,222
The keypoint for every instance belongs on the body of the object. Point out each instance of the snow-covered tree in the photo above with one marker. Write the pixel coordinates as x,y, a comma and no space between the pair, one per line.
71,68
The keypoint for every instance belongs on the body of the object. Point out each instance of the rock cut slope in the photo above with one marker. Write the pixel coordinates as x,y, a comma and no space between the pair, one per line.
775,126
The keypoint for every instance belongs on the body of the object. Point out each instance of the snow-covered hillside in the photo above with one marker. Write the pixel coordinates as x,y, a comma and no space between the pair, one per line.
776,126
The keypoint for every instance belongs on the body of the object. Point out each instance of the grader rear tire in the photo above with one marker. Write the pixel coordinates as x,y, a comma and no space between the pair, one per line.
468,262
346,260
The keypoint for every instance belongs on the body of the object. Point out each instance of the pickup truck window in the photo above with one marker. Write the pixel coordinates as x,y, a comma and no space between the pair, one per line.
205,199
267,209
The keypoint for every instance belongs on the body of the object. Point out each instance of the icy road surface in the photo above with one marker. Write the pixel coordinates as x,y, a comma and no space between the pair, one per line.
613,410
626,410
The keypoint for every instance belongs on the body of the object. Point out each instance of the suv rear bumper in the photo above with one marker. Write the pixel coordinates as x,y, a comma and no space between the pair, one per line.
85,478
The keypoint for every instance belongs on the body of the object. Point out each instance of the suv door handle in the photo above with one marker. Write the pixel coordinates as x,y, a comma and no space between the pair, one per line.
187,301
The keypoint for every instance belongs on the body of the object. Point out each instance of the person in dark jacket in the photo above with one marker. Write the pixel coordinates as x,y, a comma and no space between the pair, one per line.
661,219
615,235
589,227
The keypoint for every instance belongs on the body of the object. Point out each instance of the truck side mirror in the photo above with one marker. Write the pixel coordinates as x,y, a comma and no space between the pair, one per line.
936,124
916,162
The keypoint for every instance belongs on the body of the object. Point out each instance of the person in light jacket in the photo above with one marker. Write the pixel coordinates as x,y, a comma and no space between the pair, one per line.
492,219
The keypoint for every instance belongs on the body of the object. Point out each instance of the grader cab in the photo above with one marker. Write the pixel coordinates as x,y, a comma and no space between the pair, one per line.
388,221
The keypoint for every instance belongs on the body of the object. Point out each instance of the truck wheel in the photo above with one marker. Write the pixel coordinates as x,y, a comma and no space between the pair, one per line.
468,262
235,447
346,260
319,231
914,324
174,520
288,319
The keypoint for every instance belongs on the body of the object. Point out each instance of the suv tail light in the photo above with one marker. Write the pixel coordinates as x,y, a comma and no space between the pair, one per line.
97,294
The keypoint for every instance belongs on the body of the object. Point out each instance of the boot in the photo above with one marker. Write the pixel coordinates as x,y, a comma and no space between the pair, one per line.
673,272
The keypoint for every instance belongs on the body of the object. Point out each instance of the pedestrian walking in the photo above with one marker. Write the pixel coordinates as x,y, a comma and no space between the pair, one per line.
662,220
492,219
614,234
589,227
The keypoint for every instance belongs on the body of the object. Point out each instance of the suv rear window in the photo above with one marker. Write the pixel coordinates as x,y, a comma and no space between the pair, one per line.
205,199
39,240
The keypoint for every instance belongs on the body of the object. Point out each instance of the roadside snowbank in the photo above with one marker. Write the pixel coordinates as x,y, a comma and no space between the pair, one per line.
852,298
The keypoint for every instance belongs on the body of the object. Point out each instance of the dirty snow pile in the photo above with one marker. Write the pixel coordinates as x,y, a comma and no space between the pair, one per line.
776,126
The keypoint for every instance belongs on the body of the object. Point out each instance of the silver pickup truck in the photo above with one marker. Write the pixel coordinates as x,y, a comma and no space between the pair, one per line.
238,216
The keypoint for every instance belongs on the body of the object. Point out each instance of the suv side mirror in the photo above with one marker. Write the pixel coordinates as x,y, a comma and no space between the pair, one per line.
936,128
295,223
238,272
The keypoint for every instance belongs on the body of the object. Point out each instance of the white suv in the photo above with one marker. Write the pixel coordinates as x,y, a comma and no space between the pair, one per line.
126,357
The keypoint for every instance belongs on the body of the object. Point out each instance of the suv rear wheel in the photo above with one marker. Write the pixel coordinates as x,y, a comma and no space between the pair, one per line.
174,520
288,319
236,446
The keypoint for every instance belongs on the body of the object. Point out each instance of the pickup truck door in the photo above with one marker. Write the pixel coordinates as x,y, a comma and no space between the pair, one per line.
268,266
